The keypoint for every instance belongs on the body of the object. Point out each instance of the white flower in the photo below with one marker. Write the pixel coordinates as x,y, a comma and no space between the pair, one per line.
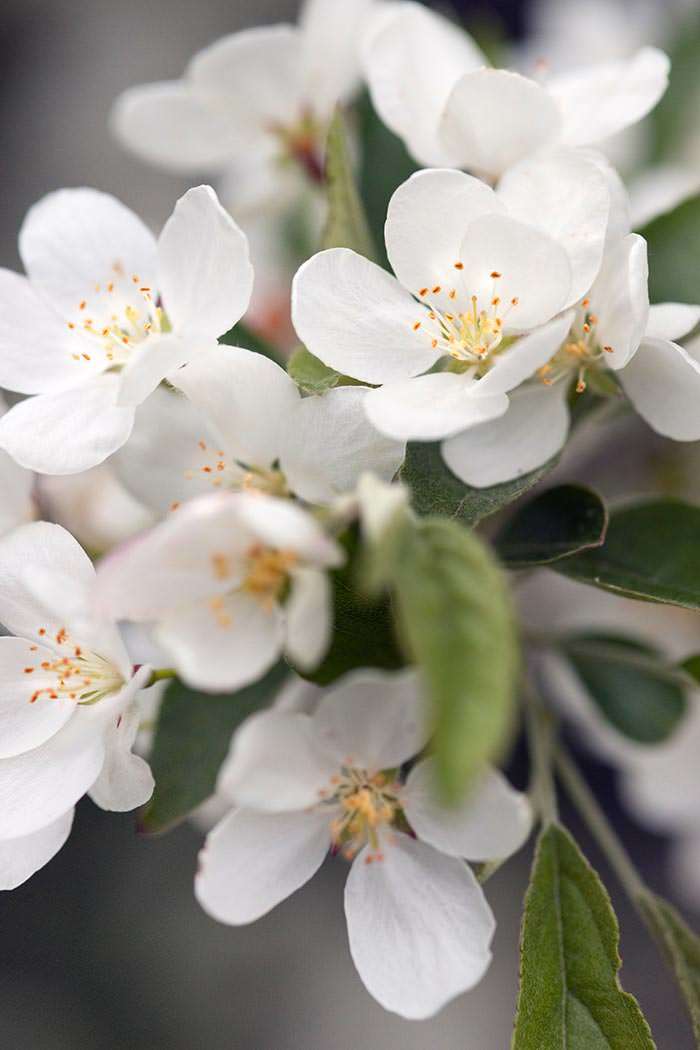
615,328
436,93
106,313
253,431
214,576
67,713
470,279
252,101
418,923
17,504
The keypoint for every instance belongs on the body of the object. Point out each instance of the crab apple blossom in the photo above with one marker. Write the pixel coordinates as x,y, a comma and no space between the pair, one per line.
252,103
419,925
231,581
105,313
254,431
68,710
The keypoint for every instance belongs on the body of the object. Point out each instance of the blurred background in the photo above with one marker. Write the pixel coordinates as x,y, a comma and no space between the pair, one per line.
106,947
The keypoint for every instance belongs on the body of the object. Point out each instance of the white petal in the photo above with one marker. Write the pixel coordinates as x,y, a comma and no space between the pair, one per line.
126,780
36,345
493,118
431,406
621,300
21,857
224,646
252,861
532,431
671,320
329,54
309,617
521,360
73,241
168,125
277,763
659,189
246,398
27,720
286,526
419,927
412,60
598,101
39,786
330,443
491,823
70,431
17,505
374,720
565,195
535,275
204,271
357,318
148,365
663,383
425,224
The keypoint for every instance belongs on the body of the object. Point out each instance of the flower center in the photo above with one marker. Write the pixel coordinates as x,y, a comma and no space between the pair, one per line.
364,803
300,142
580,352
469,335
79,675
231,474
268,573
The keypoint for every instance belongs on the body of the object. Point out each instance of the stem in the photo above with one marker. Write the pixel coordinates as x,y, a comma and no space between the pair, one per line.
540,735
160,674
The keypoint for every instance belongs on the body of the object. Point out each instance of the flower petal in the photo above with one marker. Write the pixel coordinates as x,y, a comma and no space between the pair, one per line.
68,431
27,720
204,271
419,927
600,100
432,406
493,118
21,857
532,431
252,861
671,320
277,763
17,506
564,194
659,189
621,300
125,781
374,720
148,365
330,61
425,224
412,59
357,318
663,383
309,617
286,526
521,360
329,443
491,823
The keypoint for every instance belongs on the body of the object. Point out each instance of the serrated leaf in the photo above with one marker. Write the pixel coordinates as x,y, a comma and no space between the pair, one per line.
346,223
436,490
555,524
455,615
651,552
570,995
682,949
242,335
191,741
629,682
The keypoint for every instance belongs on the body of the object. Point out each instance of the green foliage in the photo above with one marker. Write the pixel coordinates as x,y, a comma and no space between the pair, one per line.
242,335
310,374
674,119
192,740
455,617
674,254
630,684
570,994
346,224
436,490
651,551
555,524
682,949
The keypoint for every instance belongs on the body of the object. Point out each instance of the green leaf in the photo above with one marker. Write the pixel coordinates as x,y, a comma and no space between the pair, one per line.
310,374
651,552
682,950
629,682
691,667
242,335
555,524
436,490
456,619
570,994
363,628
674,254
346,224
674,119
192,740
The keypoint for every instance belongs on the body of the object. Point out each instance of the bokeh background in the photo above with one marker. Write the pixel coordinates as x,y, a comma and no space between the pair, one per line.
106,947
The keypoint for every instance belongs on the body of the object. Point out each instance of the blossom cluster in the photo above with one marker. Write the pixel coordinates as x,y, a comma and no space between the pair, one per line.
221,492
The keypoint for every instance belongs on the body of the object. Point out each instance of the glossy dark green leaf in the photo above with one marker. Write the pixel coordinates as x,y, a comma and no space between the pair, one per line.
570,994
436,490
191,741
555,524
455,615
630,683
682,950
651,551
242,335
674,254
346,223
